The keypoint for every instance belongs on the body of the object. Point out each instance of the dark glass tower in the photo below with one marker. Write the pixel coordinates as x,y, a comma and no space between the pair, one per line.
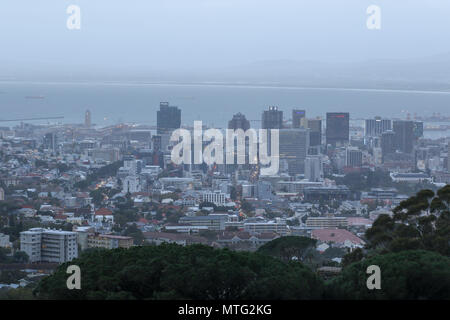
239,122
338,128
272,118
297,116
168,118
404,135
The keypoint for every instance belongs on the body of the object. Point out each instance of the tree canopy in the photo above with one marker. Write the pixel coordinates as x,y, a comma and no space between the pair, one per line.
420,222
169,271
407,275
286,248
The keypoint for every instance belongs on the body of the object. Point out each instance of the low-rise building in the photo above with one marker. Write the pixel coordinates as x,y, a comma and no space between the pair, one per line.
48,245
108,241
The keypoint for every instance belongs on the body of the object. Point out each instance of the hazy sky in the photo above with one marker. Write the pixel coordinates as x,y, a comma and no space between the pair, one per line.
216,33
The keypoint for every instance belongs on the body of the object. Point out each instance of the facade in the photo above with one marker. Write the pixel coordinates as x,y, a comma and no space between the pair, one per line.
272,119
46,245
216,197
168,118
313,168
376,127
338,128
212,221
298,118
353,157
110,155
108,241
239,122
326,222
4,241
315,132
50,141
278,227
131,184
387,144
327,193
404,135
293,148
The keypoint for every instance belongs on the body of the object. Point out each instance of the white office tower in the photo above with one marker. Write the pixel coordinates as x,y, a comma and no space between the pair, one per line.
46,245
131,184
130,164
313,168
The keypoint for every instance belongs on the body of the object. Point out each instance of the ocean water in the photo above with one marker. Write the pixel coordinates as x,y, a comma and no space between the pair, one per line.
111,103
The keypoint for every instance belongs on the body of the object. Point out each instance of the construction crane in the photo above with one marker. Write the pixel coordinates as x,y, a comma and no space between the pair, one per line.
32,119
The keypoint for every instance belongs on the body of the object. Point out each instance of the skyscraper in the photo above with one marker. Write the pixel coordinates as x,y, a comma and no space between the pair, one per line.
239,122
168,118
313,168
418,129
272,118
404,135
50,141
294,144
387,143
315,132
338,128
353,157
375,127
298,118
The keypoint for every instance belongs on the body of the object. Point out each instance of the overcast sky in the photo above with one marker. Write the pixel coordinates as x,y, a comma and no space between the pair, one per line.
217,33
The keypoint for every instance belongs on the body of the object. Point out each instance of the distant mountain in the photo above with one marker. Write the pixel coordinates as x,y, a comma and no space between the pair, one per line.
428,73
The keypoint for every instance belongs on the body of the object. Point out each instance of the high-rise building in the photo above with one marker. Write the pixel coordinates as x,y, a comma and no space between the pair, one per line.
47,245
353,157
387,143
375,127
293,148
264,190
168,118
418,129
313,168
404,135
272,118
239,122
156,143
50,141
87,119
315,132
298,118
338,128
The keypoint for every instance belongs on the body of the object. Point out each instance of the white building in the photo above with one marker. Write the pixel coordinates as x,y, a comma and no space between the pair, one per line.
46,245
216,197
313,168
278,226
4,241
131,184
2,194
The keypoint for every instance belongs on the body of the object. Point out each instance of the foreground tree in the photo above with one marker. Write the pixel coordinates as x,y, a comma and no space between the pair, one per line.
407,275
420,222
170,271
287,248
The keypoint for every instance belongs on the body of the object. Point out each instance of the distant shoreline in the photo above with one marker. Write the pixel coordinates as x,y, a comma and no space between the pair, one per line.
227,85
